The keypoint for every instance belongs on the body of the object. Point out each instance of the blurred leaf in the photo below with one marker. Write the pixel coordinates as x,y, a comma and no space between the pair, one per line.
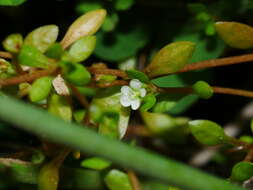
82,48
76,73
122,5
54,51
235,34
95,163
79,115
207,132
203,89
113,46
242,171
170,58
148,102
11,2
30,56
40,89
158,122
88,5
134,74
42,37
13,43
108,101
206,47
59,106
85,25
108,125
116,180
111,22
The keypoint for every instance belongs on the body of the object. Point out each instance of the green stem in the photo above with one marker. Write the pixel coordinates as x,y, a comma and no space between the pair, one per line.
40,123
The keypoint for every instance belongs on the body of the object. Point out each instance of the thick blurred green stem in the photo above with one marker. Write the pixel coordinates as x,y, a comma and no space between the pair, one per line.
44,125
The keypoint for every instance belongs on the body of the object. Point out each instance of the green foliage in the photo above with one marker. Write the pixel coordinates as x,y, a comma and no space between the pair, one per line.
43,37
171,58
113,46
207,132
148,102
82,48
55,51
231,33
91,21
202,89
11,2
116,179
242,171
31,56
134,74
40,89
76,73
59,106
13,43
95,163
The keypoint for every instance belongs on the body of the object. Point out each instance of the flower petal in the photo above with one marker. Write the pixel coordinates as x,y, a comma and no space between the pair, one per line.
135,84
135,104
125,101
143,92
125,90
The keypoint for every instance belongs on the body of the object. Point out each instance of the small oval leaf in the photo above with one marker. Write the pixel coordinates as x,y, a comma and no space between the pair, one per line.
87,24
40,89
13,43
32,57
203,89
242,171
42,37
236,35
59,106
82,48
134,74
116,180
95,163
170,58
76,74
207,132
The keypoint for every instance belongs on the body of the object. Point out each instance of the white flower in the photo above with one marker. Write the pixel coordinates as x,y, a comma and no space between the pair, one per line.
132,95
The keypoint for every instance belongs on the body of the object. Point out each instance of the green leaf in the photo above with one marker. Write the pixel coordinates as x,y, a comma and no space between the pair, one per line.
76,73
85,25
54,51
134,74
79,115
170,58
82,48
207,132
40,89
236,35
86,6
11,2
42,37
111,22
59,106
116,180
122,5
158,122
95,163
113,46
148,102
108,101
108,125
13,43
82,138
203,89
32,57
242,171
206,48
